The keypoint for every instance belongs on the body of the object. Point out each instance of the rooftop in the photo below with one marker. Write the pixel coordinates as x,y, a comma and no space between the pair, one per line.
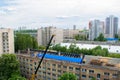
96,61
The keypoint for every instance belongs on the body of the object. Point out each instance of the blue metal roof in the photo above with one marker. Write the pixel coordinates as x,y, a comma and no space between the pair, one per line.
112,39
61,58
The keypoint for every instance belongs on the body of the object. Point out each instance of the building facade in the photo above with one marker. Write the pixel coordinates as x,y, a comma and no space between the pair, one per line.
96,27
70,33
6,41
111,27
44,35
54,65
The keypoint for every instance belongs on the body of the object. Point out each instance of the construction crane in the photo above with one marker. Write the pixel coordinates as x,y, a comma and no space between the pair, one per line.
34,75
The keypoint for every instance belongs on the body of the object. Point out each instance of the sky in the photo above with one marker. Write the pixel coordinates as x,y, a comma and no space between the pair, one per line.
34,14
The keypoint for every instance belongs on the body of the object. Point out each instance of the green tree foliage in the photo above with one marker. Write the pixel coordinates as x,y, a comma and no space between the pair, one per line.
16,77
116,36
72,48
27,31
41,47
24,41
80,37
97,51
93,78
57,47
114,55
9,67
68,76
100,38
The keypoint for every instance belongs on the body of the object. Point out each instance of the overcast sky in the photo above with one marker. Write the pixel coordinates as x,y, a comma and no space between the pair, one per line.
59,13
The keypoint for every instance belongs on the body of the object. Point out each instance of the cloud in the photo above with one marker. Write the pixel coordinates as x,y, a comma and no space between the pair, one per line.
57,12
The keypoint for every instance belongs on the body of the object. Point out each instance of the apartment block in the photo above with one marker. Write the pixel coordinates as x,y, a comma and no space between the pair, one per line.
6,41
55,64
111,27
44,35
96,27
70,33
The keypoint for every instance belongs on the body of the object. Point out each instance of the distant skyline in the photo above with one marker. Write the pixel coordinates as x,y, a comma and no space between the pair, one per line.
58,13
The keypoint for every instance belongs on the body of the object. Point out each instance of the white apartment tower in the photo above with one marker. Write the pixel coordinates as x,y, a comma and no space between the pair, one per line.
95,28
44,35
6,41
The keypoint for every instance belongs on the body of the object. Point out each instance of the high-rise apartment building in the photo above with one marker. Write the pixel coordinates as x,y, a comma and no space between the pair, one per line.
95,28
111,27
44,35
6,41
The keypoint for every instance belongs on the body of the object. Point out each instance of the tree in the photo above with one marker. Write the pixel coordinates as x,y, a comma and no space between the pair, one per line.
56,47
93,78
114,55
98,50
72,48
80,37
67,76
100,38
24,41
60,48
16,77
116,35
41,47
9,67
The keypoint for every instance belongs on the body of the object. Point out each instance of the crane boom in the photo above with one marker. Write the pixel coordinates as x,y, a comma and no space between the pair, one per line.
33,76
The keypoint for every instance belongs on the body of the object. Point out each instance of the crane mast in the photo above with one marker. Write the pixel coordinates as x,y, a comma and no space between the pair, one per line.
33,76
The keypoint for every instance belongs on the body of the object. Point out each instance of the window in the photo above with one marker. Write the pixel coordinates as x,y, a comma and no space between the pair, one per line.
91,71
44,68
7,50
54,75
44,72
84,70
83,76
48,64
48,68
30,60
35,63
53,65
106,73
98,75
4,51
48,73
114,75
35,68
59,71
26,59
71,68
77,69
59,66
64,66
53,69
